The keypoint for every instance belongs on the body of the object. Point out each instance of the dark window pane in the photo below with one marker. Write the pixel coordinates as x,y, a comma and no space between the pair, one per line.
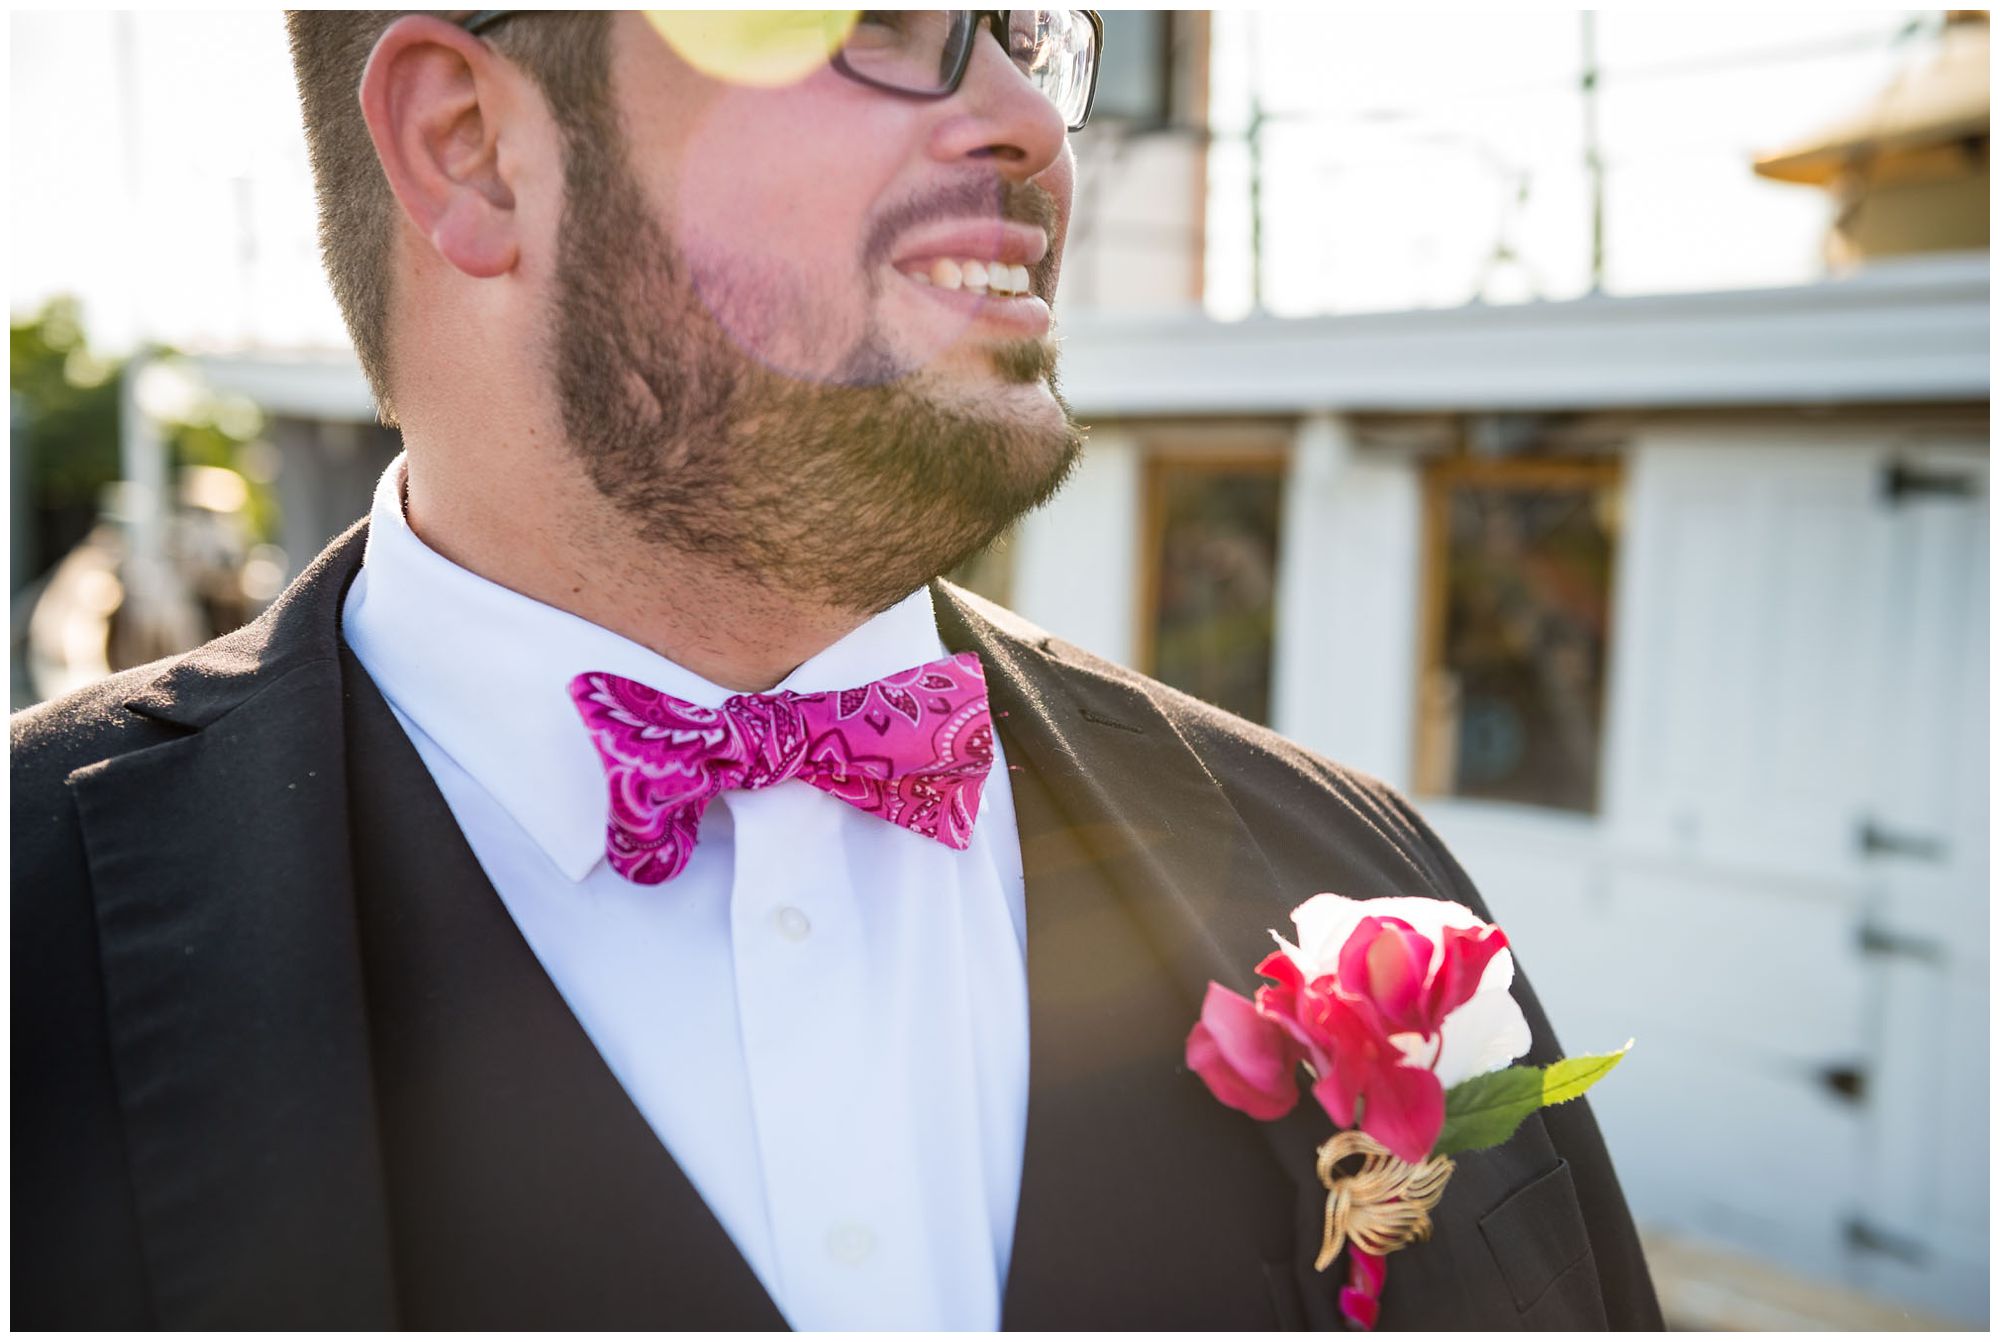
1519,709
1132,73
1216,568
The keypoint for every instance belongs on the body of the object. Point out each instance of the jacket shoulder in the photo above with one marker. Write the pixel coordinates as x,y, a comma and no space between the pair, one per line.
52,740
1277,786
158,702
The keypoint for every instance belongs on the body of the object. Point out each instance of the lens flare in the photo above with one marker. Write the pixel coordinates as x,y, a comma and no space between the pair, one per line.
763,48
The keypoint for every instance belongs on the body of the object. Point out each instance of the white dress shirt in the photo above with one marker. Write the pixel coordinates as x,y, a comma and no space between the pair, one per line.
824,1017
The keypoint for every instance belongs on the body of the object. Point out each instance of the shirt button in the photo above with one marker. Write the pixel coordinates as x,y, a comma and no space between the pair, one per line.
793,925
850,1243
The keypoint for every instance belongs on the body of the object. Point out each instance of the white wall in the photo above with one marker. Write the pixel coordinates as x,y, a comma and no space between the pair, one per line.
1135,240
1344,667
1077,558
1792,656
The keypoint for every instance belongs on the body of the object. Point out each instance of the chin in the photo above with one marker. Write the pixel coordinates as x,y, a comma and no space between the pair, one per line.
1025,412
1025,362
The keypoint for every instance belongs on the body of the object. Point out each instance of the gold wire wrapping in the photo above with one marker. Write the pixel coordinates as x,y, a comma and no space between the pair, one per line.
1381,1207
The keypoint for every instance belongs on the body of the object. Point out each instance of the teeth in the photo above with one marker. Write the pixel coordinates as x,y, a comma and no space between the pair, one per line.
974,276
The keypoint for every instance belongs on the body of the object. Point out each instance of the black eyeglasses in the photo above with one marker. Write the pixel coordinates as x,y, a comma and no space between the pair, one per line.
924,53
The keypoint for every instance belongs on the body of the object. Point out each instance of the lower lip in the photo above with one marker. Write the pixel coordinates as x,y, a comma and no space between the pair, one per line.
1024,313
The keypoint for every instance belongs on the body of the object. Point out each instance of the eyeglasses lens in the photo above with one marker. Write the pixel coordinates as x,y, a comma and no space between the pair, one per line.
1056,49
918,50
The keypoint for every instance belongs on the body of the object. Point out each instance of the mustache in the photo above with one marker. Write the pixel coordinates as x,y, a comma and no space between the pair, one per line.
973,198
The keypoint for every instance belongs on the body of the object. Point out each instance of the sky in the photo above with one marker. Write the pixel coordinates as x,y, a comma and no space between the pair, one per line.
158,169
1400,140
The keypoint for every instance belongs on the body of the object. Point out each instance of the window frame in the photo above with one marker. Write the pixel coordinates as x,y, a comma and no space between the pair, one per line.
1432,751
1235,450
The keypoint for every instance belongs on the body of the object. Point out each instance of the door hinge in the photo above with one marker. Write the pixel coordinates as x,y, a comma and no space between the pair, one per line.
1874,1239
1876,841
1879,941
1902,482
1850,1083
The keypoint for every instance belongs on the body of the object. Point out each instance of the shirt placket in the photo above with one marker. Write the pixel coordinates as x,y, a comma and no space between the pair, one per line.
804,1002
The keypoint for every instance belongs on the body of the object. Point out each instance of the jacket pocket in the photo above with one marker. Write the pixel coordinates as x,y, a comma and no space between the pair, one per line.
1538,1240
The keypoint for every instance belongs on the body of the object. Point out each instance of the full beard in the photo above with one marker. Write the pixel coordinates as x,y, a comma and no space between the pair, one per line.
849,490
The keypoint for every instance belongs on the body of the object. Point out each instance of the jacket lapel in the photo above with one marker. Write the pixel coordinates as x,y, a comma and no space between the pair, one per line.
219,865
1142,1199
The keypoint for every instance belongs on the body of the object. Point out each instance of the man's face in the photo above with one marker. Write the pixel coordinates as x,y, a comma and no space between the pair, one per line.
738,322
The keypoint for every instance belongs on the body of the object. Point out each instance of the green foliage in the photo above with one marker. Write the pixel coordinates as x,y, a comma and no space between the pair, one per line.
68,398
1571,1077
67,407
1485,1110
214,434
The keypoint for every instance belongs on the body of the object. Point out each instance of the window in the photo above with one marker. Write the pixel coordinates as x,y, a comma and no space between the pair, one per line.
1518,573
1211,573
1133,77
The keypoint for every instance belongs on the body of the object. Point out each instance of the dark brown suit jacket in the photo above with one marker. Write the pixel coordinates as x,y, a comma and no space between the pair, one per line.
206,1017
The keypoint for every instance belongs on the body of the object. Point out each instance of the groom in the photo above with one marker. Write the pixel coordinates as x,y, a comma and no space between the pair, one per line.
454,947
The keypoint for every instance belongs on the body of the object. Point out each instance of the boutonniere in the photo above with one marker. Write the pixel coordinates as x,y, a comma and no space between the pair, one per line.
1400,1011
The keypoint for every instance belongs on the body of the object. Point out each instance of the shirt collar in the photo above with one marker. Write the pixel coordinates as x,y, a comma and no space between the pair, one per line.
484,672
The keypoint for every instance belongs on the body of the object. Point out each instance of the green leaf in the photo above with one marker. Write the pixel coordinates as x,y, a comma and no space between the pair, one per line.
1571,1077
1485,1110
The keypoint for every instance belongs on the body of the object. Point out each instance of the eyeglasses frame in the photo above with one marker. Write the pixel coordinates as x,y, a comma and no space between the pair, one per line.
484,19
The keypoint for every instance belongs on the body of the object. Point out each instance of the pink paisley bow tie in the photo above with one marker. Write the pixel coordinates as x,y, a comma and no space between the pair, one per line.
913,748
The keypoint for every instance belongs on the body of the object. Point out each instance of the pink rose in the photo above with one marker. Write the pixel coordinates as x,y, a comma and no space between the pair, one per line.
1248,1060
1441,1026
1375,1016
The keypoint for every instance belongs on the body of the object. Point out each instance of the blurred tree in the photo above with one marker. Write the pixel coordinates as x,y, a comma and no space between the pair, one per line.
66,403
67,407
215,431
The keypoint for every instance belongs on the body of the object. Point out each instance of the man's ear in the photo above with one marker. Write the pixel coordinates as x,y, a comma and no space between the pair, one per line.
431,95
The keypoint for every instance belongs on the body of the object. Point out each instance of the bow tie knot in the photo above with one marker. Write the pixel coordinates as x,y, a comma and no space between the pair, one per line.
913,748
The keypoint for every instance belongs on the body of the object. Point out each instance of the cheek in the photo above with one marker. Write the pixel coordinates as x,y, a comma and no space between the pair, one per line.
742,190
771,241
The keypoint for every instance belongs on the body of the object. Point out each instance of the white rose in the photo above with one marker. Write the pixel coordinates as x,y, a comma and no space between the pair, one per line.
1484,1034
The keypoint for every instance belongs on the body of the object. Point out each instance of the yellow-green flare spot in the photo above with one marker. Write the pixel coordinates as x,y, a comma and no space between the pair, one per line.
763,48
1485,1110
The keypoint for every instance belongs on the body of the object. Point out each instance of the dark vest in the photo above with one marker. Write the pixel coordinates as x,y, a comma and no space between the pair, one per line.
525,1190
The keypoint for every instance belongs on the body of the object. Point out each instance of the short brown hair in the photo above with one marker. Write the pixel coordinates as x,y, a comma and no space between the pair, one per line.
567,55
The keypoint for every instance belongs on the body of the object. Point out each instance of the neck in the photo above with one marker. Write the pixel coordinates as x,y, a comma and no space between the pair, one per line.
552,539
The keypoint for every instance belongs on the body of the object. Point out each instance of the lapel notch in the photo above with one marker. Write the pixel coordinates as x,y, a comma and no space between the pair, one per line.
1143,1201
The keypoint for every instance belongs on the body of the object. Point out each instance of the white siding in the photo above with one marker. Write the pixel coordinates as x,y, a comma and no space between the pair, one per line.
1793,655
1344,666
1076,560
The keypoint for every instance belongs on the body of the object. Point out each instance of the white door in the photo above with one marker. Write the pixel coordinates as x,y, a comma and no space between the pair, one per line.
1795,826
1921,1230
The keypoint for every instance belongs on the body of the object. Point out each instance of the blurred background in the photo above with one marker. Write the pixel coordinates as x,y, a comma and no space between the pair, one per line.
1578,421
